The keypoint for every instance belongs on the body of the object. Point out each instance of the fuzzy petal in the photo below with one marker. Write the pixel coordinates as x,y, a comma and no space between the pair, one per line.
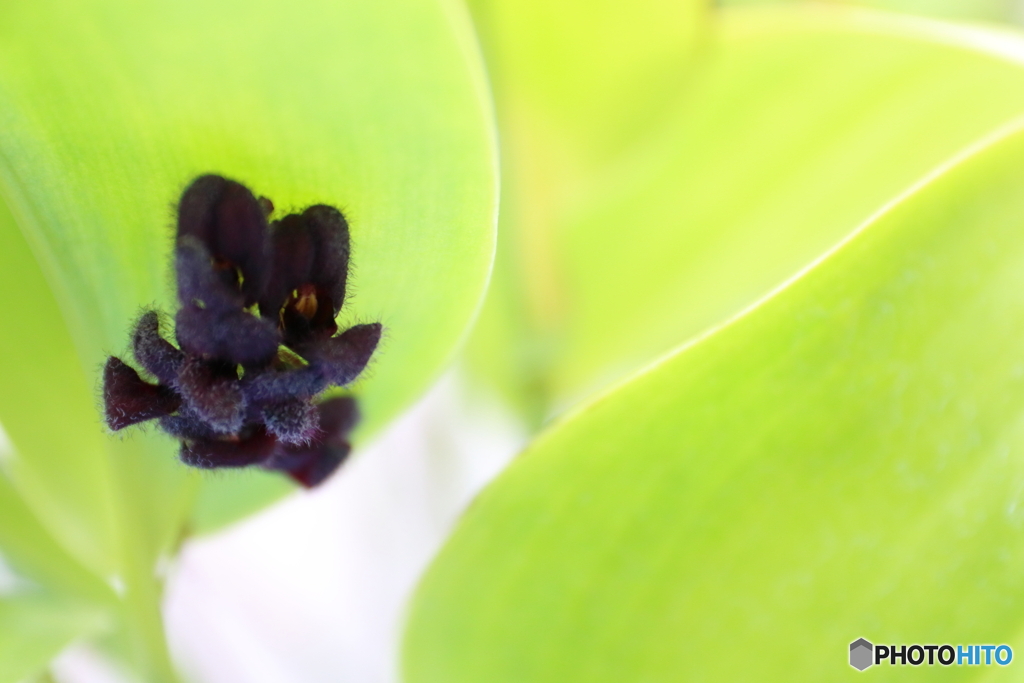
310,258
212,454
211,391
236,336
293,421
338,416
330,273
225,216
128,399
309,248
273,385
157,355
185,424
310,466
200,283
293,249
342,358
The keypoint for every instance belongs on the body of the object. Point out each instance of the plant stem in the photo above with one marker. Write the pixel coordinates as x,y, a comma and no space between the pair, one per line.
141,543
146,637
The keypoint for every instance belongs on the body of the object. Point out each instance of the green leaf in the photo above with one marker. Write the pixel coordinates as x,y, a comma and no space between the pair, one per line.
977,10
28,547
35,627
842,460
596,73
109,111
795,126
56,599
47,409
578,84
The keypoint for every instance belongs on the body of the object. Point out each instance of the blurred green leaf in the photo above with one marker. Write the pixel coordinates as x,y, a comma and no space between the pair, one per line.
977,10
115,505
28,548
795,126
55,599
595,73
842,460
36,626
48,411
577,84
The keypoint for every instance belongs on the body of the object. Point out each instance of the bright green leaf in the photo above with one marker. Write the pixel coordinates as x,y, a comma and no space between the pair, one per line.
27,547
577,85
113,505
109,111
796,125
842,460
36,626
595,73
984,10
48,411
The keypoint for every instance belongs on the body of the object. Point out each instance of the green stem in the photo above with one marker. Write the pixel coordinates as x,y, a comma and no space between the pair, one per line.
144,535
142,615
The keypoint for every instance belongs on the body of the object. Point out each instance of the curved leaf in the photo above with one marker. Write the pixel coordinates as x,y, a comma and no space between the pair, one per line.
35,627
796,125
976,10
57,599
48,410
578,84
109,111
28,548
841,461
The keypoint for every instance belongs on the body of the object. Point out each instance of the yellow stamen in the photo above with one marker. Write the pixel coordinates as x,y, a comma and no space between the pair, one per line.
305,302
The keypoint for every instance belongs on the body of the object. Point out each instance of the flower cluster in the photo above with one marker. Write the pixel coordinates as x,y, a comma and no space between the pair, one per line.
257,339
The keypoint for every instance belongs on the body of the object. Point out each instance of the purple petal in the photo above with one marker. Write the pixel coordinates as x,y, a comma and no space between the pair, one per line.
236,336
269,385
293,421
211,391
211,454
226,217
128,399
338,416
332,362
293,255
157,355
342,358
202,284
309,466
333,246
310,254
185,424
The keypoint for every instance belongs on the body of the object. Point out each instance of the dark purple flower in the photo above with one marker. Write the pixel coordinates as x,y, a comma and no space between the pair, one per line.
129,399
311,463
224,217
310,270
229,391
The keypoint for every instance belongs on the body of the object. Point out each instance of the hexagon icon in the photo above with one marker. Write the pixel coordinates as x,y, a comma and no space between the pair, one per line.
861,654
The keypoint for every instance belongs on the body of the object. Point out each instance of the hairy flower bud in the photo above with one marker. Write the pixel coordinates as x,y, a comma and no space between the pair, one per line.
229,391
